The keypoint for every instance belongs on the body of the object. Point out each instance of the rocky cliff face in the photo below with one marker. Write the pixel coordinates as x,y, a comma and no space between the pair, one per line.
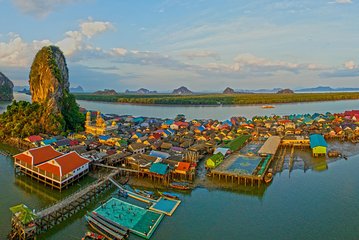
6,88
49,78
285,91
182,91
106,92
228,90
49,87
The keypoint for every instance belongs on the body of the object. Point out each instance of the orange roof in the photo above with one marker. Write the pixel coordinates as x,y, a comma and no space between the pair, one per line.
70,161
183,166
43,154
24,158
50,168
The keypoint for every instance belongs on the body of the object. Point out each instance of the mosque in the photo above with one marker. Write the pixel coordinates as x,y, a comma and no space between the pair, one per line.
99,127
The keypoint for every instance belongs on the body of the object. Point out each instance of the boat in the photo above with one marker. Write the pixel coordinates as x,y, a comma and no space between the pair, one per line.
109,229
147,194
92,235
269,176
267,106
125,181
180,185
334,153
169,195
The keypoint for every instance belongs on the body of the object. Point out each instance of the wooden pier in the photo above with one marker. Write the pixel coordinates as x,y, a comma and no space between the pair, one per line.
67,207
235,178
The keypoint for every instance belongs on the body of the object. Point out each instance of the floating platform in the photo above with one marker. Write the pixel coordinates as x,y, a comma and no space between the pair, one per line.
138,220
165,205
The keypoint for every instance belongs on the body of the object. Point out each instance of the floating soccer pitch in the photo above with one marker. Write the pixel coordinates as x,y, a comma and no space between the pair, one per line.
244,165
140,221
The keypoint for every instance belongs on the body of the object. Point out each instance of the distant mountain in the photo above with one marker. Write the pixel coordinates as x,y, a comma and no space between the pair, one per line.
182,91
285,91
327,89
6,88
77,89
21,88
106,92
262,90
26,91
228,90
141,91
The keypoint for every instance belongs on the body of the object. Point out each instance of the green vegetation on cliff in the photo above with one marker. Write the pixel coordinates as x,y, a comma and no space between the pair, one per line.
49,85
53,109
215,99
23,119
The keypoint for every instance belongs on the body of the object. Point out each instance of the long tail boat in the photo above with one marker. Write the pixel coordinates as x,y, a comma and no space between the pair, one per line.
180,185
106,227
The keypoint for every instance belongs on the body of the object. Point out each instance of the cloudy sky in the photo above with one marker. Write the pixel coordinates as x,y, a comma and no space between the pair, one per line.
205,45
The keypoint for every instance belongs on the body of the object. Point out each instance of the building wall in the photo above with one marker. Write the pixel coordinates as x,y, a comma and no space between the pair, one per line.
142,150
77,171
319,150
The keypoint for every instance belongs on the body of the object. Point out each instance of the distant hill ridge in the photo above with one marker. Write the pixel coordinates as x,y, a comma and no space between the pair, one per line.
106,92
182,91
141,91
326,89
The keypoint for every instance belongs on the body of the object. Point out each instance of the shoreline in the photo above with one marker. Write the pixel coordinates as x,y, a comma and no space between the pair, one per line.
216,105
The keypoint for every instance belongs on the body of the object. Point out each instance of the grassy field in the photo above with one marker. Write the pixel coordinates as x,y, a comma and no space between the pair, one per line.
215,99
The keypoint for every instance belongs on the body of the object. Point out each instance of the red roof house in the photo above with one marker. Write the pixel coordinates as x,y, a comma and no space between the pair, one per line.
52,165
34,138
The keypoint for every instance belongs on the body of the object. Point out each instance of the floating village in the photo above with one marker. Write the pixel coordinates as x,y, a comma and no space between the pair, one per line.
173,154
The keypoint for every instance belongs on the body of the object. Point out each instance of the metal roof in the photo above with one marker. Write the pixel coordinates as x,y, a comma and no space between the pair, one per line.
270,146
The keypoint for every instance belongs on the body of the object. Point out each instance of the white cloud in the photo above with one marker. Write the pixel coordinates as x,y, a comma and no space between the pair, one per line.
343,1
118,52
200,54
254,62
16,52
72,42
39,8
350,65
90,28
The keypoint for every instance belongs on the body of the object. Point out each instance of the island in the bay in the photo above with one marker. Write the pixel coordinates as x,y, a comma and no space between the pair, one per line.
6,88
58,144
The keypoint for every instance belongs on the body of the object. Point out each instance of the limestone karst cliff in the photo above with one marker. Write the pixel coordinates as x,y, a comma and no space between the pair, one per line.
49,78
49,87
6,88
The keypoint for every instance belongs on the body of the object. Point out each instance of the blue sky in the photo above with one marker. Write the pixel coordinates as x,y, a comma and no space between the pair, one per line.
204,45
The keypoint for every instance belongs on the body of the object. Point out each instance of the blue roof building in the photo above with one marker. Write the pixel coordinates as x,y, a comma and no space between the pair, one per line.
318,145
159,168
158,154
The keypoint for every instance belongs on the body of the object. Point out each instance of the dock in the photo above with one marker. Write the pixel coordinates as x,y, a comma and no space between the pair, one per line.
52,215
252,169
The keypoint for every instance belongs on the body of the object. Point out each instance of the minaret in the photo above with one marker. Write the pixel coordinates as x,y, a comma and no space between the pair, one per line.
88,119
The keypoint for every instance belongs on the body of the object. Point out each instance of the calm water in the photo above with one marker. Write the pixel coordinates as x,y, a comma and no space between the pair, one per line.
213,112
310,205
300,205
